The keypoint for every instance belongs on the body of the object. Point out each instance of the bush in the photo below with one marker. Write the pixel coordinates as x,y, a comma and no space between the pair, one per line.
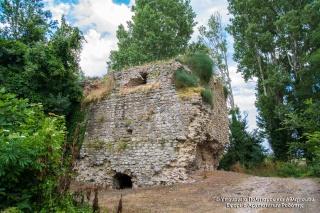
286,169
271,168
226,91
201,65
185,79
31,153
207,96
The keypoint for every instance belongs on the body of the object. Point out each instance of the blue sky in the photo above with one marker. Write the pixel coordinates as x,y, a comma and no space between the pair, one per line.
99,19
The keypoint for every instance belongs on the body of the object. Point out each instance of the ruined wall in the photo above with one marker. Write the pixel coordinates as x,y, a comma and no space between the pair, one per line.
145,130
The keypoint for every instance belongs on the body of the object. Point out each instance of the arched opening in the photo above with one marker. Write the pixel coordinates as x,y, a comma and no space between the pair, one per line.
122,181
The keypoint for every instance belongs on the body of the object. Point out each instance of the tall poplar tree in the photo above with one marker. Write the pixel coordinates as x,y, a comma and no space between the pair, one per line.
278,43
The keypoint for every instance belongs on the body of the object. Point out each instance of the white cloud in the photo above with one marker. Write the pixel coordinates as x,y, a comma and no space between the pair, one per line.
99,19
57,10
95,53
102,15
244,96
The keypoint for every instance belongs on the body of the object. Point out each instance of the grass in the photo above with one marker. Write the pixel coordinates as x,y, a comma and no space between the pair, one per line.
189,92
102,89
200,64
207,96
271,168
122,145
141,88
96,144
184,79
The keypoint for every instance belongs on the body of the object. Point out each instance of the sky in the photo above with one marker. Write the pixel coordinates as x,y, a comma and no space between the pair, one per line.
99,19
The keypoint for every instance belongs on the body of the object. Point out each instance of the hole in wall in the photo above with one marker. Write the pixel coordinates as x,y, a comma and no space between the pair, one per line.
130,131
205,156
122,181
141,80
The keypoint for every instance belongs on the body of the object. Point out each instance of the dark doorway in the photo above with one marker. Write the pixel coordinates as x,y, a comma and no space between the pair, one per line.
122,181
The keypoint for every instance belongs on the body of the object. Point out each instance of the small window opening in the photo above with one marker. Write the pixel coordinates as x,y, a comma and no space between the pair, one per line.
141,80
130,131
122,181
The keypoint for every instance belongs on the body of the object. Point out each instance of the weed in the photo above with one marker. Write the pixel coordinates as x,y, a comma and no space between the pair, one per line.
122,145
102,90
207,96
185,79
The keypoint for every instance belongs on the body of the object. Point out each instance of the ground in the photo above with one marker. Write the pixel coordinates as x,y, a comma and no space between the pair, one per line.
205,193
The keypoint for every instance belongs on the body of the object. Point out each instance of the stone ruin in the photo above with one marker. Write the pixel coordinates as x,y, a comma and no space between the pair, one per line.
147,133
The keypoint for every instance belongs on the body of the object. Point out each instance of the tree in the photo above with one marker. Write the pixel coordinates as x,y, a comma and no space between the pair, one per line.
25,20
159,30
214,37
245,147
277,42
36,63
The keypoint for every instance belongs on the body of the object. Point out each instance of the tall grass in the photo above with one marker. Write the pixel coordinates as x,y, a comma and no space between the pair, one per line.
201,65
103,89
271,168
184,79
207,96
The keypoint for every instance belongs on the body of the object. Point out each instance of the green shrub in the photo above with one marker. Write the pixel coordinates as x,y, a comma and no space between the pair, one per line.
185,79
226,91
12,210
207,96
201,65
31,153
314,169
291,170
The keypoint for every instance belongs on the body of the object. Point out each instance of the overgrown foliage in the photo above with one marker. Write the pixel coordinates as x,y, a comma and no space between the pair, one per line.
35,62
31,151
101,89
31,146
201,65
200,75
271,167
207,96
185,79
159,30
245,148
39,60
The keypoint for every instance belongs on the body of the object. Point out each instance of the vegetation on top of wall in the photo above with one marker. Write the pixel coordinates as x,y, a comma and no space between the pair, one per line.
207,96
197,79
185,79
200,64
188,92
226,92
100,89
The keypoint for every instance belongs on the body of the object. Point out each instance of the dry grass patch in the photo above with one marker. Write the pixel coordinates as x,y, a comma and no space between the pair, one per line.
141,88
101,90
189,92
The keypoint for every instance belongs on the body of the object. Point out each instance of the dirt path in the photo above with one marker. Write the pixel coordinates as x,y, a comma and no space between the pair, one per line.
206,194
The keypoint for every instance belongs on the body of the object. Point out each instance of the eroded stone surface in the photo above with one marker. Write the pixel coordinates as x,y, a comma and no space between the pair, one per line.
144,130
